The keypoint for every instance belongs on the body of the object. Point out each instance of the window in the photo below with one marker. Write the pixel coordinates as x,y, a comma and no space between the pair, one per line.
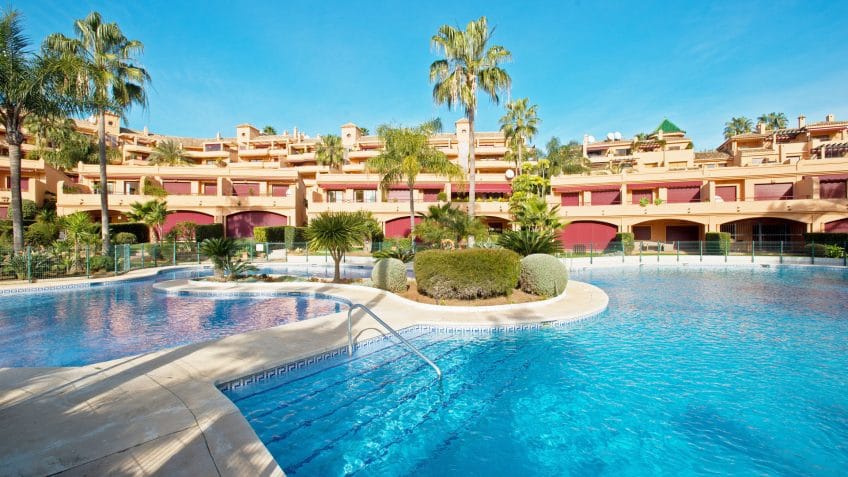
131,187
335,196
366,196
570,199
212,147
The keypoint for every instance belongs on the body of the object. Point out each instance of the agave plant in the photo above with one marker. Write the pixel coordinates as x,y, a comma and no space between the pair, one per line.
528,242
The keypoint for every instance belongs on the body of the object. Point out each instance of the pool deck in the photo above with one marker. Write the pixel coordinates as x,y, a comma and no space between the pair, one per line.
161,413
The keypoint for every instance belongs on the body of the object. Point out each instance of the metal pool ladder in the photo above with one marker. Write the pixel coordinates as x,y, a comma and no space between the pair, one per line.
390,330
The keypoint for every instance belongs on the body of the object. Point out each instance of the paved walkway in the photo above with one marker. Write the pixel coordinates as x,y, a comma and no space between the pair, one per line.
161,414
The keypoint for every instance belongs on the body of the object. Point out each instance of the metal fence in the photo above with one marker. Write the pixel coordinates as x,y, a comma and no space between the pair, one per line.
65,260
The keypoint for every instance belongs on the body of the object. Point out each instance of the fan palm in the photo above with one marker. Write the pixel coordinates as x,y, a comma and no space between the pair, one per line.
406,153
527,242
269,131
520,125
152,213
773,121
168,152
338,233
79,228
740,125
469,64
108,78
330,152
27,87
534,214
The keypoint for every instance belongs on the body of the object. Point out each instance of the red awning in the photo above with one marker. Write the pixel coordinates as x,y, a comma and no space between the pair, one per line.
669,185
489,187
834,177
596,188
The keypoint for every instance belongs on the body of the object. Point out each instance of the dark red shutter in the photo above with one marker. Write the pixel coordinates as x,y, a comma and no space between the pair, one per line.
177,188
606,197
210,188
833,190
279,190
246,188
431,195
781,191
727,193
638,195
679,195
570,199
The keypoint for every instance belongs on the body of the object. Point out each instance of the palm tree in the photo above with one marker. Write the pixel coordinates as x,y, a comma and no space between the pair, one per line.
469,64
535,215
269,131
407,153
773,121
108,78
338,233
740,125
168,152
79,228
330,152
566,158
152,213
520,125
27,87
364,131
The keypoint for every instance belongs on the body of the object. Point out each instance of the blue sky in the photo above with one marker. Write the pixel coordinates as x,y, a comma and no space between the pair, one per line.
592,67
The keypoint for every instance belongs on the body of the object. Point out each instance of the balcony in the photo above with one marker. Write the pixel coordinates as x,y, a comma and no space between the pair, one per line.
87,201
224,154
254,153
302,157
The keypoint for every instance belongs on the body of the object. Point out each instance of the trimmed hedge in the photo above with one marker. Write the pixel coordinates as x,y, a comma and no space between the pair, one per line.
839,239
140,230
466,274
294,235
542,274
824,250
717,243
124,238
622,239
389,274
203,232
276,234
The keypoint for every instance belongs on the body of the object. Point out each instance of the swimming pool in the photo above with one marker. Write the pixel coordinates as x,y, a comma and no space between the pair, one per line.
692,372
82,326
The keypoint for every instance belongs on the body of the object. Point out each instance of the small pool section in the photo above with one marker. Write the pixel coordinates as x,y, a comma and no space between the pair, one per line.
83,326
689,372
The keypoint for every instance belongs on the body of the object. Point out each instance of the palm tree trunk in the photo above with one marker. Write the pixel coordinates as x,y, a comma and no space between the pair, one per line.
104,189
472,169
15,210
411,210
520,158
337,276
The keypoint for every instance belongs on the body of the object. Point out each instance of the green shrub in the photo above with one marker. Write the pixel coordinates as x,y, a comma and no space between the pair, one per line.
623,240
101,263
28,209
275,234
824,250
209,231
124,238
41,233
826,238
19,264
140,230
294,235
543,275
389,274
399,248
528,242
466,274
717,243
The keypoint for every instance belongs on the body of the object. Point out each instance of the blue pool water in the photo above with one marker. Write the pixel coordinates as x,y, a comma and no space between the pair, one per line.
72,328
689,372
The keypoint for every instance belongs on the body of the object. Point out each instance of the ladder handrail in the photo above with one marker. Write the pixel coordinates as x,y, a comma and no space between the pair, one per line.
390,330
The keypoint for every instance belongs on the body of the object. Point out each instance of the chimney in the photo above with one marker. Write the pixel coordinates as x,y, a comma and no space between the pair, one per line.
802,121
218,135
830,118
146,131
761,128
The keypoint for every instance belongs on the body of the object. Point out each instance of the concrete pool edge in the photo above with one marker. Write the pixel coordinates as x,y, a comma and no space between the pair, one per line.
162,411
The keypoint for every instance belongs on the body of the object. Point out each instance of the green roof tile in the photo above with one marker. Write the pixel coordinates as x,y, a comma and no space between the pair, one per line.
668,127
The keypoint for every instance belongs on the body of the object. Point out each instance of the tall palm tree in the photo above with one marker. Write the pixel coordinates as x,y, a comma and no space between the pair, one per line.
269,131
168,152
469,64
152,213
330,152
406,153
27,87
520,125
108,78
773,121
740,125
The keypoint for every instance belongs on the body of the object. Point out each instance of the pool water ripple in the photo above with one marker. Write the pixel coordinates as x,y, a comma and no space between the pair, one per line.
689,372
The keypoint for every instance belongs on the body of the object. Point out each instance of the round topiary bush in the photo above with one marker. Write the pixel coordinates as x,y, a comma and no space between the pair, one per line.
543,274
124,238
466,274
389,274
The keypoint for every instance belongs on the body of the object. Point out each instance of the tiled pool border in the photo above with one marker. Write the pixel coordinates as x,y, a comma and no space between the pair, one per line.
310,363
